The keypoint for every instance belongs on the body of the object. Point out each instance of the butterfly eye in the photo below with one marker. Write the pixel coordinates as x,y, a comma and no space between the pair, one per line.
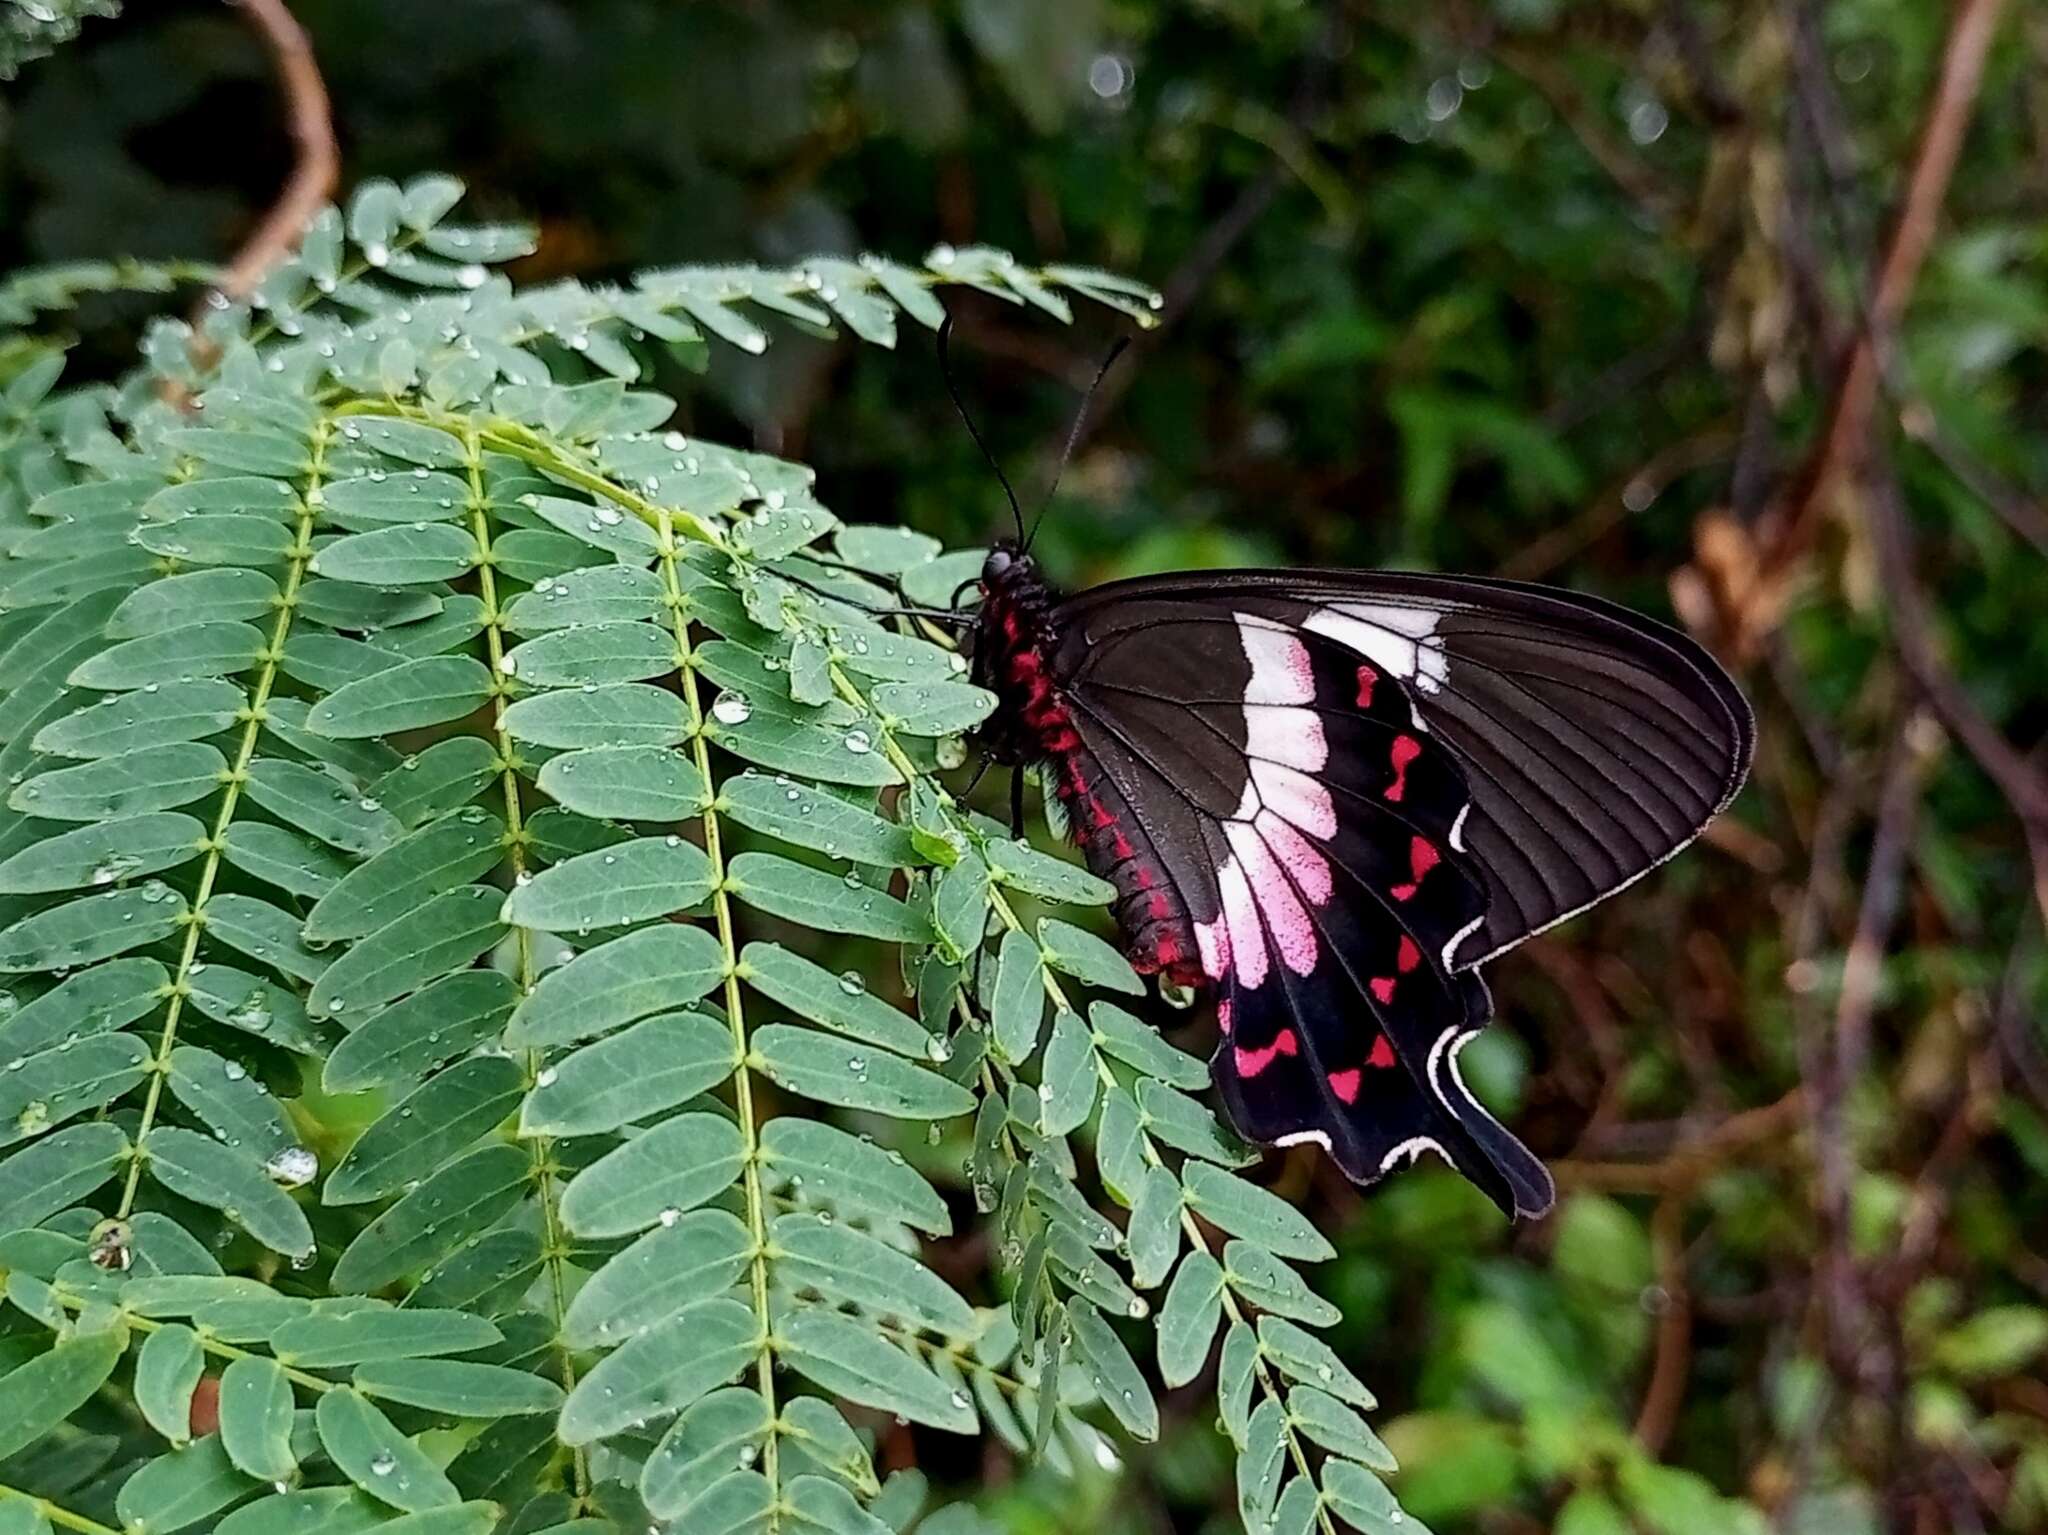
997,564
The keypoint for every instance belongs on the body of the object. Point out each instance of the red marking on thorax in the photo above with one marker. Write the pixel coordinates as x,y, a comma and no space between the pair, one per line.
1405,750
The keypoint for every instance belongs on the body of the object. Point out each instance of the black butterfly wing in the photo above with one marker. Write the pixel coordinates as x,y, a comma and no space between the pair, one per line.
1263,798
1596,743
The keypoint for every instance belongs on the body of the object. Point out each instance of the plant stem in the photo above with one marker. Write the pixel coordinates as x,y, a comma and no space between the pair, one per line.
56,1514
299,557
735,1010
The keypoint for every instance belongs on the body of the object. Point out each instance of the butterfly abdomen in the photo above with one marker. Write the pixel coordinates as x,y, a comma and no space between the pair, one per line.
1034,723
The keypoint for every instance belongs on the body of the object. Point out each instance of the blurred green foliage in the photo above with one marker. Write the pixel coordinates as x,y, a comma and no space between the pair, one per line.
1553,290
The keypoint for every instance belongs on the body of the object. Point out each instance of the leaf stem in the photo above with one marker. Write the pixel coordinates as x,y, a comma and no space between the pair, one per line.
545,1187
735,1011
299,556
57,1514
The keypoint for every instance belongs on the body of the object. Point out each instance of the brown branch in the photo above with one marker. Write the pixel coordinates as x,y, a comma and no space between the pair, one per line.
1739,1135
1665,1393
1845,440
316,165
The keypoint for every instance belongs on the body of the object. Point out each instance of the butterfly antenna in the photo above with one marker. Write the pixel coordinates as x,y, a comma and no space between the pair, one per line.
1074,435
946,372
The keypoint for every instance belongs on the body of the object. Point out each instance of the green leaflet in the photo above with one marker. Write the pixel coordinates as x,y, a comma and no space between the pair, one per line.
323,1340
105,997
458,1387
256,1418
370,1452
857,1176
230,1180
40,1394
444,934
398,556
630,882
91,928
170,602
662,1371
195,650
815,818
654,1177
153,778
408,696
430,1222
176,711
321,804
634,1074
667,1270
630,783
849,1265
593,654
701,1447
855,1076
839,1002
849,1360
617,714
440,856
440,1118
794,891
103,852
404,1041
645,972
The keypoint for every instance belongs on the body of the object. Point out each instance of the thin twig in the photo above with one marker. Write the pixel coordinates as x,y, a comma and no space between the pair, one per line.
316,164
1845,440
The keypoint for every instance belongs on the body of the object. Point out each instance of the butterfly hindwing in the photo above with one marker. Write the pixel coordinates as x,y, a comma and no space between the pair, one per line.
1267,790
1328,795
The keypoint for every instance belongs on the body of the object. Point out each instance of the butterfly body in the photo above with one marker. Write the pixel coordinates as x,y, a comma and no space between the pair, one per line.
1325,796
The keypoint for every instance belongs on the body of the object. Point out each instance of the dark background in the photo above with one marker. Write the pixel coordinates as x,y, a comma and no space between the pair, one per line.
1560,291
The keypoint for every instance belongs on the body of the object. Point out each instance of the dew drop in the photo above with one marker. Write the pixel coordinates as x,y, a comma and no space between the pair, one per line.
731,709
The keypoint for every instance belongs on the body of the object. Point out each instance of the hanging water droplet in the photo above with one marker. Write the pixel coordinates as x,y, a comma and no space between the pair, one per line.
292,1166
852,982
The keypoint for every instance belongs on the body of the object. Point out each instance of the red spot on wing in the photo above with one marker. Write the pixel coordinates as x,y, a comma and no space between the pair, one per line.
1345,1084
1422,857
1251,1062
1408,957
1383,989
1223,1016
1382,1054
1367,677
1406,749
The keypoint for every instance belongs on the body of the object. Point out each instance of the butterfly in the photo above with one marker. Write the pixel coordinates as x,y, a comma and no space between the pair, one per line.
1328,796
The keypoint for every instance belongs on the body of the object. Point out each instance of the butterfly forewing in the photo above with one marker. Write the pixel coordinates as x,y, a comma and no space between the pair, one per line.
1596,742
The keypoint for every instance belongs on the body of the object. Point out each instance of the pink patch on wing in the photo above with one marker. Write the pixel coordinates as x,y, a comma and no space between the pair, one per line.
1295,797
1251,1062
1383,989
1345,1084
1223,1016
1281,673
1301,858
1367,679
1241,915
1213,939
1408,957
1406,750
1382,1055
1285,917
1285,734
